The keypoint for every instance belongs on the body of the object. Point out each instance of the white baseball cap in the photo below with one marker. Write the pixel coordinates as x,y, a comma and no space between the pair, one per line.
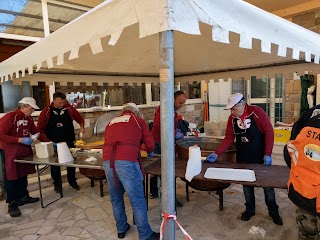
30,101
233,100
130,104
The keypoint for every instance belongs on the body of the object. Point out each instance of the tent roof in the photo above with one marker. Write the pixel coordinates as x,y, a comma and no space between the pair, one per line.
121,37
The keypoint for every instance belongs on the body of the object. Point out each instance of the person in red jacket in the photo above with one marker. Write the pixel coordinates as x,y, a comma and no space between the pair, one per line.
254,135
179,100
56,122
16,128
121,153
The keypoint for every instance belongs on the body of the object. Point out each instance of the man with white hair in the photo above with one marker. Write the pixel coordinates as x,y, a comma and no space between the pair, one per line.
254,135
121,154
16,128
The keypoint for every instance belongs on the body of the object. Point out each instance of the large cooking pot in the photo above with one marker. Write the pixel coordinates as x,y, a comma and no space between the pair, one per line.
93,174
99,128
207,146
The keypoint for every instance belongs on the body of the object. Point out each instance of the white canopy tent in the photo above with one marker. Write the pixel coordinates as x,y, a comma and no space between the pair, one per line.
122,38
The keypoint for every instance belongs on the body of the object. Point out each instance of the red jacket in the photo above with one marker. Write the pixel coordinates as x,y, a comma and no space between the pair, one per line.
261,119
45,115
156,129
128,132
15,125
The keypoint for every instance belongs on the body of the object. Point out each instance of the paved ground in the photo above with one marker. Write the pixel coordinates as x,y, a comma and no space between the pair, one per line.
85,215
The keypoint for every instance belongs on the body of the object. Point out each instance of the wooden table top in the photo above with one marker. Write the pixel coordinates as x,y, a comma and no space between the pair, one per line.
266,176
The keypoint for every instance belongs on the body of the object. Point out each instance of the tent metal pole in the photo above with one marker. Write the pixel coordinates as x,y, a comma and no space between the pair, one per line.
167,129
45,17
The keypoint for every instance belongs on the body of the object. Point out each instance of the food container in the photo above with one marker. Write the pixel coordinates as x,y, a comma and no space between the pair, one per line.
207,146
44,149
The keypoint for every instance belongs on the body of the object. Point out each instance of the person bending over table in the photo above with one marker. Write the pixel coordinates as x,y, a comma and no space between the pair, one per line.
254,135
16,128
56,122
121,154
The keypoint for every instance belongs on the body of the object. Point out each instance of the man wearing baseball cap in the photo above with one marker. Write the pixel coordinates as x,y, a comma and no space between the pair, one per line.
16,128
254,135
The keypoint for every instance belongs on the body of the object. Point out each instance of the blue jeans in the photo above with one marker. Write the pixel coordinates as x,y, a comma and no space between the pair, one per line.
129,179
269,197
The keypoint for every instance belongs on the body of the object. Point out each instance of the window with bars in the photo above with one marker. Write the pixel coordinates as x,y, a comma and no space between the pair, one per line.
265,92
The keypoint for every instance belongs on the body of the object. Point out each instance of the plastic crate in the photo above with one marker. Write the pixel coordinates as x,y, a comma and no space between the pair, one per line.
282,135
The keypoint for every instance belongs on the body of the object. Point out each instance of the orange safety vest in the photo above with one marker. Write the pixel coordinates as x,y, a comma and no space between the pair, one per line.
305,164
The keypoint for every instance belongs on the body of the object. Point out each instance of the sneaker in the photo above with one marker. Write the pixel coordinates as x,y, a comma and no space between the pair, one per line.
178,204
13,210
276,218
122,235
246,216
152,196
75,186
26,200
57,188
154,236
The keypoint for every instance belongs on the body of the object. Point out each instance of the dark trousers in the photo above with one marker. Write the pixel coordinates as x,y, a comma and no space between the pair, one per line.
153,179
269,196
16,189
56,175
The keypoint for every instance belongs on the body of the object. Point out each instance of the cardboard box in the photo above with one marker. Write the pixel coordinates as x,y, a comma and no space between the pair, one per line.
282,135
214,129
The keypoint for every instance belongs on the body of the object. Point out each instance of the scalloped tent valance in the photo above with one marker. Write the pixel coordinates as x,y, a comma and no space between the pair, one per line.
121,37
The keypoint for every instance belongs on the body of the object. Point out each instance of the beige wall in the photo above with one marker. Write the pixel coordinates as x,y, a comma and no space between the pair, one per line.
191,113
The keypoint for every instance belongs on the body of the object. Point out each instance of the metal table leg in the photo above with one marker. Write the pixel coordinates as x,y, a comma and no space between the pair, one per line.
159,194
39,172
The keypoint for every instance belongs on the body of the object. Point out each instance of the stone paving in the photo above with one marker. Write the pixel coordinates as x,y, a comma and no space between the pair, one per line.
85,215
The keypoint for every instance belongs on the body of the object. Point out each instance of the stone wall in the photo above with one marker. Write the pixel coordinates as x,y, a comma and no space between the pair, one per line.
292,100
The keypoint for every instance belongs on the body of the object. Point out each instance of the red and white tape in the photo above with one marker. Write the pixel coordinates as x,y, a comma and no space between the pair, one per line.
165,218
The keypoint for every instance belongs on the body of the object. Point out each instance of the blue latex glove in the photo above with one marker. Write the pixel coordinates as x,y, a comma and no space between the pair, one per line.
27,140
179,135
267,160
212,158
151,154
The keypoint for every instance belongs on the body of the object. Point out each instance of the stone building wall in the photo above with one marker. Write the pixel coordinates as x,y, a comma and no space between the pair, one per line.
292,100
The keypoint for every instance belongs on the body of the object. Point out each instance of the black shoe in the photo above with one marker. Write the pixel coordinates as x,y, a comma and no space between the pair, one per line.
246,216
26,200
75,186
178,204
276,218
58,188
154,236
13,210
152,196
122,235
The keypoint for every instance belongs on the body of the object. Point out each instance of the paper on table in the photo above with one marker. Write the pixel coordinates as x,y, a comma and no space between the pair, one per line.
64,154
91,159
231,174
194,165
